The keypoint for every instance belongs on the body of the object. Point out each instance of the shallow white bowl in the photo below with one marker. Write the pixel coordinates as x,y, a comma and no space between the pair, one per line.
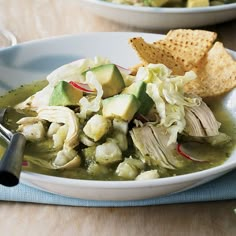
159,17
32,61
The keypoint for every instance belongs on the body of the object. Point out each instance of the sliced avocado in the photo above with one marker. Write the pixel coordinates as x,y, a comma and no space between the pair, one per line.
122,106
64,94
110,78
138,89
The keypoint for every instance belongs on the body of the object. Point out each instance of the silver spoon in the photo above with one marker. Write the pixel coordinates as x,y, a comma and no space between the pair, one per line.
11,162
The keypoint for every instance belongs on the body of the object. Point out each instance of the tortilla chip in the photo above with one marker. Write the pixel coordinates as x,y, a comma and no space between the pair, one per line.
180,50
189,46
149,53
216,73
187,36
184,50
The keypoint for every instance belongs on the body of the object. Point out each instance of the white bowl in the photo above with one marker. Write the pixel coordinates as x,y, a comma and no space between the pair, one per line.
32,61
160,17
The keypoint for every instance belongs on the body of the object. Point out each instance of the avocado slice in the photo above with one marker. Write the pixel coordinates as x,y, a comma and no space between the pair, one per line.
122,106
110,78
64,94
138,89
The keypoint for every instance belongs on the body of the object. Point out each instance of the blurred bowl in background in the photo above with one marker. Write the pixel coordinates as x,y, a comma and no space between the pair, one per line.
159,17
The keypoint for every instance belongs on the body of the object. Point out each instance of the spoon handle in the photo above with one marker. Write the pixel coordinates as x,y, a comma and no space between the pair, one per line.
11,162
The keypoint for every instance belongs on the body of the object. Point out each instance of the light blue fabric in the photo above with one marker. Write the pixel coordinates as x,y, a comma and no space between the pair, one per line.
223,188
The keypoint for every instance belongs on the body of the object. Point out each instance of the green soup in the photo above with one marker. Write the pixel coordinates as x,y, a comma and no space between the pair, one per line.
39,153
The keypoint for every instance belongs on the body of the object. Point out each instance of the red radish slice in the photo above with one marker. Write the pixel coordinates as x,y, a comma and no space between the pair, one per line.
182,153
24,163
124,70
142,118
83,87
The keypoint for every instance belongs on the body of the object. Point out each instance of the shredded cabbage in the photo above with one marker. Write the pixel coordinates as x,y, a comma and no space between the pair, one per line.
153,73
73,71
168,95
86,106
69,72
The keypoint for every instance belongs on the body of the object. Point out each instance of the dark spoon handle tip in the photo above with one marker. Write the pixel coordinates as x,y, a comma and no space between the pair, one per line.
11,162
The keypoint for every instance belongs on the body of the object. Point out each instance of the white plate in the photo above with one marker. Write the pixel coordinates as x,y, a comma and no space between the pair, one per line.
32,61
161,18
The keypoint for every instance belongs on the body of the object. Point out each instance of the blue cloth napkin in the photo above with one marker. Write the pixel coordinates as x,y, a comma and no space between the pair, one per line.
223,188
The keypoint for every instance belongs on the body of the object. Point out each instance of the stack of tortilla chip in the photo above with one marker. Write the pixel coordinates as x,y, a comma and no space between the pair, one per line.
183,50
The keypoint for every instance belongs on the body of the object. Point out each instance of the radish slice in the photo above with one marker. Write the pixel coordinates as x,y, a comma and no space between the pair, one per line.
24,163
142,118
83,87
124,70
184,154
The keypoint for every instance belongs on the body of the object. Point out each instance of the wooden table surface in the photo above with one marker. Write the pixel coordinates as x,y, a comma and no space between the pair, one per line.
34,19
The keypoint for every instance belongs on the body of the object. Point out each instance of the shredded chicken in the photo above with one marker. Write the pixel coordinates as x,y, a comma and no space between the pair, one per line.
53,128
59,137
152,143
58,114
39,99
32,131
200,121
63,130
27,120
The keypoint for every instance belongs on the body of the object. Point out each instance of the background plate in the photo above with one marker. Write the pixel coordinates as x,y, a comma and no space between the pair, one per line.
161,18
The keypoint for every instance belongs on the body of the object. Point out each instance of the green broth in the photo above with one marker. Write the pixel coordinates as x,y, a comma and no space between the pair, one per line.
41,151
18,95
